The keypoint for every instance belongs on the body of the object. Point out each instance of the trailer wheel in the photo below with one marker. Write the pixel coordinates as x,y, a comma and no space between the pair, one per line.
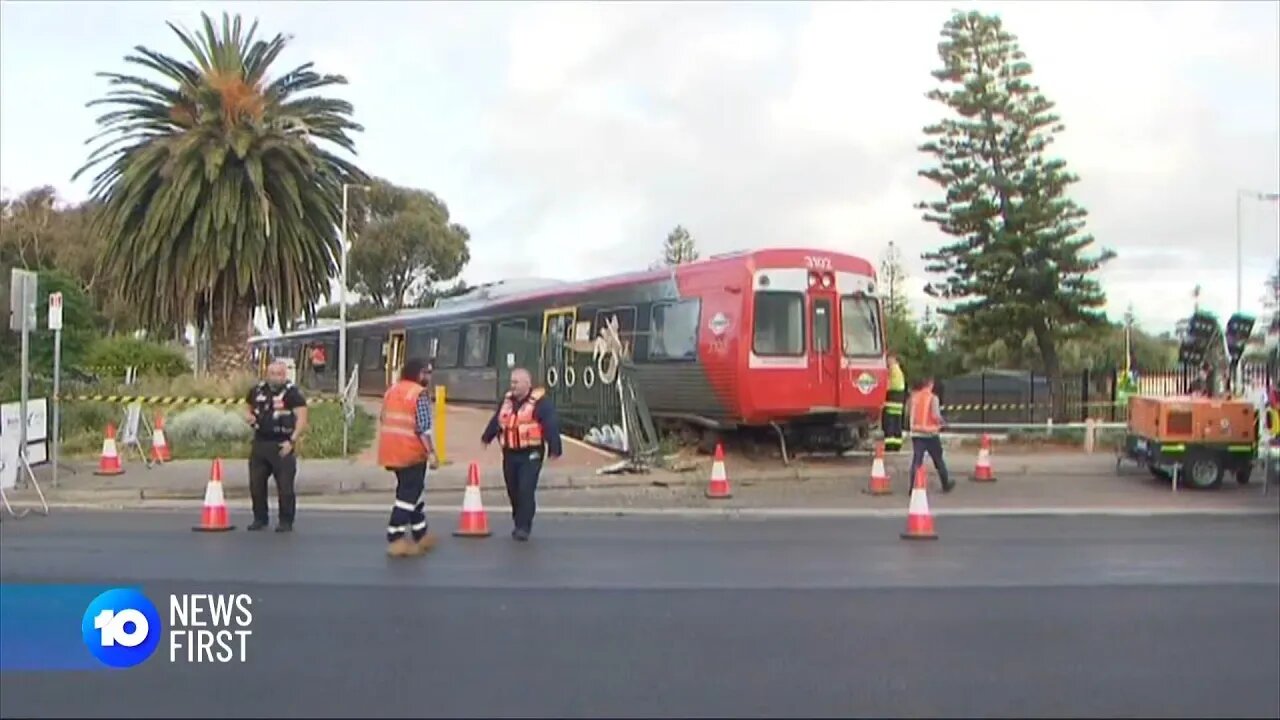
1202,471
1243,472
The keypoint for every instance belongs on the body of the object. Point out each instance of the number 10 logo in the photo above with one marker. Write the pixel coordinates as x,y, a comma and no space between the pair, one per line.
121,628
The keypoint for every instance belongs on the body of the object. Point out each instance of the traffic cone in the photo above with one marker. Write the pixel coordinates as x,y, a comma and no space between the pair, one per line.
474,521
982,472
919,520
159,446
214,517
879,484
109,463
718,488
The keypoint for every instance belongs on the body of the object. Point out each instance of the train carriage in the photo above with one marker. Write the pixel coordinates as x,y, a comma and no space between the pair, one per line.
789,340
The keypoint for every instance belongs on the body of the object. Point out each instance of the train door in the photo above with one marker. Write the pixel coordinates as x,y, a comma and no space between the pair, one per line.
557,334
395,356
824,346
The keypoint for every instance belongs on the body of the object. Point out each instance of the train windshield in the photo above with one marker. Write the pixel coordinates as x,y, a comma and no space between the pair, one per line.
779,323
860,317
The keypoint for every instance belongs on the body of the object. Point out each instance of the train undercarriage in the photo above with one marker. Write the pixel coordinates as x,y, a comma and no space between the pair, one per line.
827,433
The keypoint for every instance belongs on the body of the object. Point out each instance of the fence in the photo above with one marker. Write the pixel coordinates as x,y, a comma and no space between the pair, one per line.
1012,396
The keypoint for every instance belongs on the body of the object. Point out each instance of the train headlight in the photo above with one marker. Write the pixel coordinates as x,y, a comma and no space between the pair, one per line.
827,281
813,280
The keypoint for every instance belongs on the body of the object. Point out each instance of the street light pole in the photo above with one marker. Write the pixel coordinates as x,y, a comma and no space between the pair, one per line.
342,318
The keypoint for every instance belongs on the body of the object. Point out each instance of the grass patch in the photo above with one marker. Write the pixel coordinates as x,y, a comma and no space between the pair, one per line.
204,431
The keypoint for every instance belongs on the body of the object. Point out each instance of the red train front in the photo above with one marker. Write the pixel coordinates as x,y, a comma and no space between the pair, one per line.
793,340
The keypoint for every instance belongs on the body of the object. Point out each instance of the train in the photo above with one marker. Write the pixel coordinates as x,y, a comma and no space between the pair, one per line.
788,342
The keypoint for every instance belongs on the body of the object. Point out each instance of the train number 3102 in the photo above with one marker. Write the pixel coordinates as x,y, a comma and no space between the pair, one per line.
817,262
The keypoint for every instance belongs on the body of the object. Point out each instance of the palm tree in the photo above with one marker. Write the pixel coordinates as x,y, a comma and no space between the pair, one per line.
217,198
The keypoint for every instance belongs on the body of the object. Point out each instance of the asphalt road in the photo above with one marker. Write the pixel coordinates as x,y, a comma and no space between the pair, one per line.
1041,617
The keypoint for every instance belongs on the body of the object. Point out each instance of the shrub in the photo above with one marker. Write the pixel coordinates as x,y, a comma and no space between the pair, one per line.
206,423
110,357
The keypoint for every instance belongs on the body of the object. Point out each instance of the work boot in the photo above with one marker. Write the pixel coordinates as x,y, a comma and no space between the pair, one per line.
400,547
520,535
284,527
424,544
256,525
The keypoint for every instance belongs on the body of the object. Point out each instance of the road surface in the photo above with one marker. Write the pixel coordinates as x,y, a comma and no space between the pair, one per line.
1047,617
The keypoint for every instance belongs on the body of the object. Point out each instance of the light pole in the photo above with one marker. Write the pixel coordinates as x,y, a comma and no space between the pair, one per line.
1240,197
342,318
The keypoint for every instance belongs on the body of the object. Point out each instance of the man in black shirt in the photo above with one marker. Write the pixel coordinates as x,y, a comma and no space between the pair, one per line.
278,413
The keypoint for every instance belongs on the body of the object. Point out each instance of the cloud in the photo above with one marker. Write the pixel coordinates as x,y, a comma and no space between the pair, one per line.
798,125
571,137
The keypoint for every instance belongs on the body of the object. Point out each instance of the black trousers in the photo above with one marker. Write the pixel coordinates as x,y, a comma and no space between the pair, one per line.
265,462
891,420
931,444
409,512
520,470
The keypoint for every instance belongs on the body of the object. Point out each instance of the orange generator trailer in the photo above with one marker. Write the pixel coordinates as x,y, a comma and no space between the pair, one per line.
1202,438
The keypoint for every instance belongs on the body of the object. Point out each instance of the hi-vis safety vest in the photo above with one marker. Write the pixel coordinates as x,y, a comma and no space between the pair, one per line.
897,390
520,430
923,419
897,380
1273,422
398,443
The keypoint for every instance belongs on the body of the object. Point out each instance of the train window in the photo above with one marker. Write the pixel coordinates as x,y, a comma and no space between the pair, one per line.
355,351
779,323
447,350
477,345
673,331
860,317
821,325
422,344
626,317
516,331
372,359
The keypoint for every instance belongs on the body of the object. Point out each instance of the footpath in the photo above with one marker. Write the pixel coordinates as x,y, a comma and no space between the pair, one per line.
1043,483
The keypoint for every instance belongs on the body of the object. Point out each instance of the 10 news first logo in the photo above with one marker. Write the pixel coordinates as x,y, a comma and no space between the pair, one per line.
122,628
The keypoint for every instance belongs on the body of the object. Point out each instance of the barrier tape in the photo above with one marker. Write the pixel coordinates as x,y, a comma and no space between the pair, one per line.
1028,406
161,400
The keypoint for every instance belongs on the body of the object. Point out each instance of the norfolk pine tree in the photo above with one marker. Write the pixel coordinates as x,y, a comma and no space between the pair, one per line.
679,247
1020,263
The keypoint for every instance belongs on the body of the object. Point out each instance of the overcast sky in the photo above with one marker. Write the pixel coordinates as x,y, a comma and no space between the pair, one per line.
570,137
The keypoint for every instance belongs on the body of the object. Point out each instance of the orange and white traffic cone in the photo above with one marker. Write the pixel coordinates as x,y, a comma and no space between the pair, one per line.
879,484
983,472
474,521
109,462
159,445
718,488
215,517
919,520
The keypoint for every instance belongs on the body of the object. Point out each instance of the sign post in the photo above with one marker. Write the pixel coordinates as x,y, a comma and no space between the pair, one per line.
23,288
55,324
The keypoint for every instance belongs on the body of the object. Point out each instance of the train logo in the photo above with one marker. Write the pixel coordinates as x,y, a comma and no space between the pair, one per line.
866,383
719,324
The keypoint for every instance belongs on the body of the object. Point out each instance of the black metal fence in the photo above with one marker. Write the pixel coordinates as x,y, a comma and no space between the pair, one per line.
1013,396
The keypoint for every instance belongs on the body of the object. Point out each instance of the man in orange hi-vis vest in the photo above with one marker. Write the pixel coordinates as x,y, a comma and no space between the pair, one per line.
926,426
526,425
406,447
